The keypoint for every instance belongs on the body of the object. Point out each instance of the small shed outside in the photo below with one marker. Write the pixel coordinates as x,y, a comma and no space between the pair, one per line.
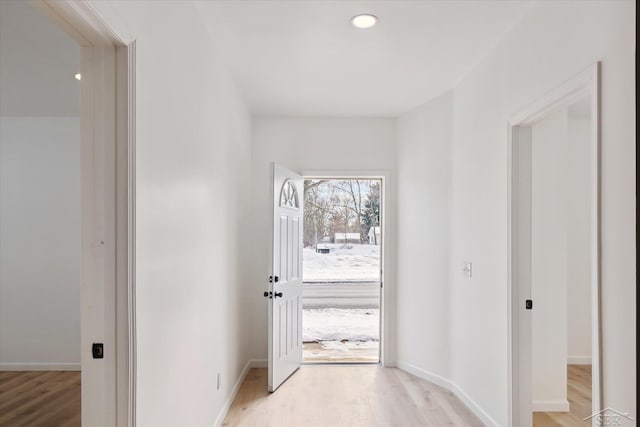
347,238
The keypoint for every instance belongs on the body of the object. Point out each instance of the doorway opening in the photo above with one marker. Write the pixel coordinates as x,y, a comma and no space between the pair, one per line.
342,259
560,266
554,239
40,220
100,90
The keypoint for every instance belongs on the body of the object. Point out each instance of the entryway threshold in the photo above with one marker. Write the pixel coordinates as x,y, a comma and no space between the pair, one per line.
340,363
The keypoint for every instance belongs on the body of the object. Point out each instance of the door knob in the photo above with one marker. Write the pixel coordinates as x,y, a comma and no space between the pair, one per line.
278,294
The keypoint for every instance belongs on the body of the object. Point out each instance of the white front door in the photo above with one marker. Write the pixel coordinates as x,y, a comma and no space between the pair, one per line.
284,295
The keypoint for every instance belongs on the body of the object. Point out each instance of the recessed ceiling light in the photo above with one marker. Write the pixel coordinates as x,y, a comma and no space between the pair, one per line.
78,76
364,21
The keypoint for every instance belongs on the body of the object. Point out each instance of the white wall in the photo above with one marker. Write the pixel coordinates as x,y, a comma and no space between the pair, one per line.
424,138
38,62
183,194
315,144
39,192
578,241
549,261
193,174
553,42
39,243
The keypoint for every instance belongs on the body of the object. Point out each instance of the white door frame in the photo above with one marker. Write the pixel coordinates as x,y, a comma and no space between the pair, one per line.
587,83
387,257
108,211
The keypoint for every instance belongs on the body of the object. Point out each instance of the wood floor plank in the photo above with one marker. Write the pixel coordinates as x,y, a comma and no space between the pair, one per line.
348,396
43,398
579,397
314,396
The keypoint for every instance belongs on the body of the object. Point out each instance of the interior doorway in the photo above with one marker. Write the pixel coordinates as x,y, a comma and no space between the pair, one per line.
554,248
342,274
105,77
560,265
40,220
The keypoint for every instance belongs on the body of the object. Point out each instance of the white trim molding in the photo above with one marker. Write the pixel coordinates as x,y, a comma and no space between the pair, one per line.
234,391
578,360
550,406
40,366
128,143
258,363
452,387
252,363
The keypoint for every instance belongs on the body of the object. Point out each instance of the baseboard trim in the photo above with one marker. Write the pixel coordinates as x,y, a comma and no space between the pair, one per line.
578,360
232,395
258,363
452,387
252,363
39,366
550,406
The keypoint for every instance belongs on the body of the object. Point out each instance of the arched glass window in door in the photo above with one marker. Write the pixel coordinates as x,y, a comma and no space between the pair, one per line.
289,195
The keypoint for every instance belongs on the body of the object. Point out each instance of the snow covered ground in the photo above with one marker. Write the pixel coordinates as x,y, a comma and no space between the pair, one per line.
340,335
337,324
345,263
336,316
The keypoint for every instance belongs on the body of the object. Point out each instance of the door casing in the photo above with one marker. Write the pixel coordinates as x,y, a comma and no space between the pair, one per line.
387,257
107,211
586,83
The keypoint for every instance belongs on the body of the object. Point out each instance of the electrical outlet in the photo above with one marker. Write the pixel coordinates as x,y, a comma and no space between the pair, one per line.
218,381
466,268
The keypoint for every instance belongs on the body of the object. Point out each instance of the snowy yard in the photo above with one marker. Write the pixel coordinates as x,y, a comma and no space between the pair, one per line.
344,263
336,324
341,318
340,335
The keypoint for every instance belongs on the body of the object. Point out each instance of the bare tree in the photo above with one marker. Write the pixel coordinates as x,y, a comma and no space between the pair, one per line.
337,206
352,189
316,212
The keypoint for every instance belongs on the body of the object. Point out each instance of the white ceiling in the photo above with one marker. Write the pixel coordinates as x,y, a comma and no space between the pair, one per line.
304,57
37,64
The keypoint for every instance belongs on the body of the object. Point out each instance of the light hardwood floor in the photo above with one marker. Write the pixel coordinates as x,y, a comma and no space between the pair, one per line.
42,399
579,396
346,396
